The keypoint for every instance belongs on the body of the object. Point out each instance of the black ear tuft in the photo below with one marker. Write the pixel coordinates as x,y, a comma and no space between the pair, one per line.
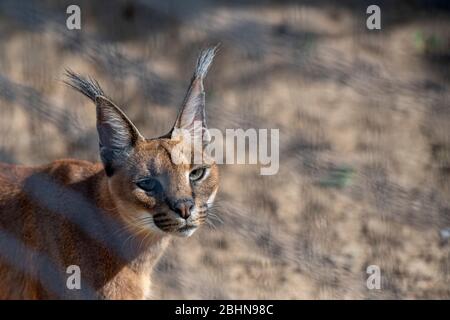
85,85
117,134
204,61
193,108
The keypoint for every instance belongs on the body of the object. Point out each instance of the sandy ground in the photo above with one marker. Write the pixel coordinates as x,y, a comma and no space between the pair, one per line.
364,120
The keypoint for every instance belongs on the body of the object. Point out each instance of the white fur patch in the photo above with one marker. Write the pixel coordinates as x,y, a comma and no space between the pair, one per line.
187,233
211,198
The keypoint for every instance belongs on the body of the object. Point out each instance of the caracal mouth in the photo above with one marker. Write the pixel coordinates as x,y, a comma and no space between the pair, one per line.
185,231
182,229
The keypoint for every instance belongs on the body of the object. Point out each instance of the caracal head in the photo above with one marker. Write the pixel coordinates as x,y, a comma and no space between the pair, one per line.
162,185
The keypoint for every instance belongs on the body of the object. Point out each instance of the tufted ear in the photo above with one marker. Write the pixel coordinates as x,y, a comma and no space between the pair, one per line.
192,115
117,134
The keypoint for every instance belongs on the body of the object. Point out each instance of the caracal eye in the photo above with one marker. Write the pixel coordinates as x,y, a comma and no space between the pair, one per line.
150,185
197,174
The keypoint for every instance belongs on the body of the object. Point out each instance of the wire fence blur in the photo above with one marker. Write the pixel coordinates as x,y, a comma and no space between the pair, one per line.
364,132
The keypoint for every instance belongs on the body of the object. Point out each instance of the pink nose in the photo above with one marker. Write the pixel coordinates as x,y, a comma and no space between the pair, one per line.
183,208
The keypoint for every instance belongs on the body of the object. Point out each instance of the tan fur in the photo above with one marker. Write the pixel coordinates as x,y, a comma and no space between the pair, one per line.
72,212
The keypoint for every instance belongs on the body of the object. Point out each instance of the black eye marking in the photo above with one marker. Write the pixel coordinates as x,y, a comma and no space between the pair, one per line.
150,185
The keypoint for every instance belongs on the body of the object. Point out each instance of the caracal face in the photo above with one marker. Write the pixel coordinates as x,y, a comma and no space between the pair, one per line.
159,195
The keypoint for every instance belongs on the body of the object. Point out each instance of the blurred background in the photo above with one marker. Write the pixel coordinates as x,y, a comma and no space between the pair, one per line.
364,120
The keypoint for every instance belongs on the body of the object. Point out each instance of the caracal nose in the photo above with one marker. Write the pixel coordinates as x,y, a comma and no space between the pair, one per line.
184,208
